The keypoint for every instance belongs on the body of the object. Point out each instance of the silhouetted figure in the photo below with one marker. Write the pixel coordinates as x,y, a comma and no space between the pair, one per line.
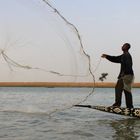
126,76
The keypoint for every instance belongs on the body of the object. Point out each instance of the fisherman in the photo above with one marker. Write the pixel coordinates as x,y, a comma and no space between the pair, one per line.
125,78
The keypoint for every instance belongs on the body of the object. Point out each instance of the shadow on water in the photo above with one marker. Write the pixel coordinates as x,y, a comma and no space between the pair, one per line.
125,129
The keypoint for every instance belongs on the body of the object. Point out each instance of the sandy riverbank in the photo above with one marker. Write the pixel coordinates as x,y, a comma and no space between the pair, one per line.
61,84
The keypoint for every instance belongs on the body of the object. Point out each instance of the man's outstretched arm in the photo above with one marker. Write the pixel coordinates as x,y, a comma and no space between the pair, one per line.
115,59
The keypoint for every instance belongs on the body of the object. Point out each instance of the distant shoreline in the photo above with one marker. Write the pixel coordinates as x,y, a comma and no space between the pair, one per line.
62,84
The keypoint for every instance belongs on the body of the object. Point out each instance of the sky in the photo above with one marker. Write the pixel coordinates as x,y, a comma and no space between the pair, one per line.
32,35
104,26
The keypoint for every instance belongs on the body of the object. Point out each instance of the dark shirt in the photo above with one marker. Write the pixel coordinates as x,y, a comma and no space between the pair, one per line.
126,63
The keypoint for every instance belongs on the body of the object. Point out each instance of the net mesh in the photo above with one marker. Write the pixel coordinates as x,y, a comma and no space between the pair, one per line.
39,44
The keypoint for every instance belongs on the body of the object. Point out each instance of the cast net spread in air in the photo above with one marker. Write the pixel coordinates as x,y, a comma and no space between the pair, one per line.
37,43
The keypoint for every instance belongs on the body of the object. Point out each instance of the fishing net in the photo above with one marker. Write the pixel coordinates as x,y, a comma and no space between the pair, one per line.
37,43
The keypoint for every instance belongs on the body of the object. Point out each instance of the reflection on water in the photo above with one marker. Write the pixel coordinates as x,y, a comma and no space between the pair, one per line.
121,129
125,129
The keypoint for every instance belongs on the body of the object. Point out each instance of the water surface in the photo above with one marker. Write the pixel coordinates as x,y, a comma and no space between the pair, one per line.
24,115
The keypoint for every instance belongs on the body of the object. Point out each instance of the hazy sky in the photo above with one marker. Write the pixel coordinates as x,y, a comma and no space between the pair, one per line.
105,25
32,35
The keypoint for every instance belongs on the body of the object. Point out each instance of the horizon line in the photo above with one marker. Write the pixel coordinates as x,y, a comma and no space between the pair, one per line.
63,84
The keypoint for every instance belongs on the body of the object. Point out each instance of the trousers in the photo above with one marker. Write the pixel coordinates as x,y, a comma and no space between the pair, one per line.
119,88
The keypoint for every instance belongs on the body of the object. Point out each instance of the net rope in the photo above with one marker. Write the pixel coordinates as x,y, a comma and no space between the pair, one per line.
82,49
12,63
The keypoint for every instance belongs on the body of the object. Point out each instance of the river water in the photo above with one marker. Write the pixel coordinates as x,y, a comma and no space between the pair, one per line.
46,114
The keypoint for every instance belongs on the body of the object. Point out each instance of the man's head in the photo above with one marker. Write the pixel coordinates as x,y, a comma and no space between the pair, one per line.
126,47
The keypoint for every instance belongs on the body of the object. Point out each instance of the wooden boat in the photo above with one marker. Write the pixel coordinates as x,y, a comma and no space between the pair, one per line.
133,112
